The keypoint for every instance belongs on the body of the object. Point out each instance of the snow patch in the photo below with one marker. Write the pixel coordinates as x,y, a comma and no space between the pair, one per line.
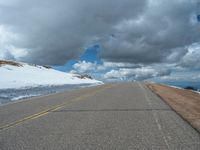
34,76
24,96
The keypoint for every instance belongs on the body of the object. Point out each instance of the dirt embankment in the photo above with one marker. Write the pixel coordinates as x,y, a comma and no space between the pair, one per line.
184,102
6,62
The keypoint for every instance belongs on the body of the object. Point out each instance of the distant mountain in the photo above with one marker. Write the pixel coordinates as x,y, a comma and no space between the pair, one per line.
185,84
20,75
191,88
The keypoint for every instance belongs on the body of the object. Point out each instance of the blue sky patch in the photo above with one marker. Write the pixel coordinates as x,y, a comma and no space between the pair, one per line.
198,18
90,55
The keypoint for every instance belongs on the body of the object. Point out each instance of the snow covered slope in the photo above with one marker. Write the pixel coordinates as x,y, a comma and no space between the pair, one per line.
22,75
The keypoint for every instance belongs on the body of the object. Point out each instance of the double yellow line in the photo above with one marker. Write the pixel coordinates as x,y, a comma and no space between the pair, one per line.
53,108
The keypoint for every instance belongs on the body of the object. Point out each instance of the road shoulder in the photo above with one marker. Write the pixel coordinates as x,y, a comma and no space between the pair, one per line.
186,103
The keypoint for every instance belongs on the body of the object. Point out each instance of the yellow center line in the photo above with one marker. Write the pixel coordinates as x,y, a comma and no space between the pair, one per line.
53,108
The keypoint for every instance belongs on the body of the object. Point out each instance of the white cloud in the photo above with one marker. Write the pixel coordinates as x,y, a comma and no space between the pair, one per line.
122,71
84,67
119,65
136,74
192,58
7,48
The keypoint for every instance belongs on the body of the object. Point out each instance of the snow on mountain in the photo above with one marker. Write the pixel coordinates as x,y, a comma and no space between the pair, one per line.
22,75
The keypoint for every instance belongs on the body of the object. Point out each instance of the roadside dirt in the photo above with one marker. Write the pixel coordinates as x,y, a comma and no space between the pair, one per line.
6,62
185,102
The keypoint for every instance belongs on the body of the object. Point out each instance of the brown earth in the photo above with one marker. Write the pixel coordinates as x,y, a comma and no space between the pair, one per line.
6,62
185,102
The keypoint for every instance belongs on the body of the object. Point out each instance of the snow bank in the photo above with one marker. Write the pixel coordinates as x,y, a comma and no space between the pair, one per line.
32,76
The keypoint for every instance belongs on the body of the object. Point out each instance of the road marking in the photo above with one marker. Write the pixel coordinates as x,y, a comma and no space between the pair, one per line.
53,108
155,116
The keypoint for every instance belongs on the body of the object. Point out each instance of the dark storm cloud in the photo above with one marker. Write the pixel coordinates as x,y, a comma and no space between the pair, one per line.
133,31
157,33
56,31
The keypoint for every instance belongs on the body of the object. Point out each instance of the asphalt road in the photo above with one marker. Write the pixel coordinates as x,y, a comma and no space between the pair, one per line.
117,116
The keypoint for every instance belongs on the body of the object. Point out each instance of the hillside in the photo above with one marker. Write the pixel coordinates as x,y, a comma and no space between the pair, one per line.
22,75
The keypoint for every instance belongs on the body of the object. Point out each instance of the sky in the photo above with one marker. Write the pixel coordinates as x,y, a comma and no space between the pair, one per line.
111,40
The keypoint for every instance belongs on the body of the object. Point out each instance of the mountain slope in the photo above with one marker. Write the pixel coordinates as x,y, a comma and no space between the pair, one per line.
21,75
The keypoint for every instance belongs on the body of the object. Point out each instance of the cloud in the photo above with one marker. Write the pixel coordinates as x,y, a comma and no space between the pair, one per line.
107,64
181,76
192,57
84,67
155,34
136,37
136,74
54,32
90,67
144,31
7,50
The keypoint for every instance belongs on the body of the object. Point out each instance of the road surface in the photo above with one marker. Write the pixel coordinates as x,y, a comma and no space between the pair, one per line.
118,116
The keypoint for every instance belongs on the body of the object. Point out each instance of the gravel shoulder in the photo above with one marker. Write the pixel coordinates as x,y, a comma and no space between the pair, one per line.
185,102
